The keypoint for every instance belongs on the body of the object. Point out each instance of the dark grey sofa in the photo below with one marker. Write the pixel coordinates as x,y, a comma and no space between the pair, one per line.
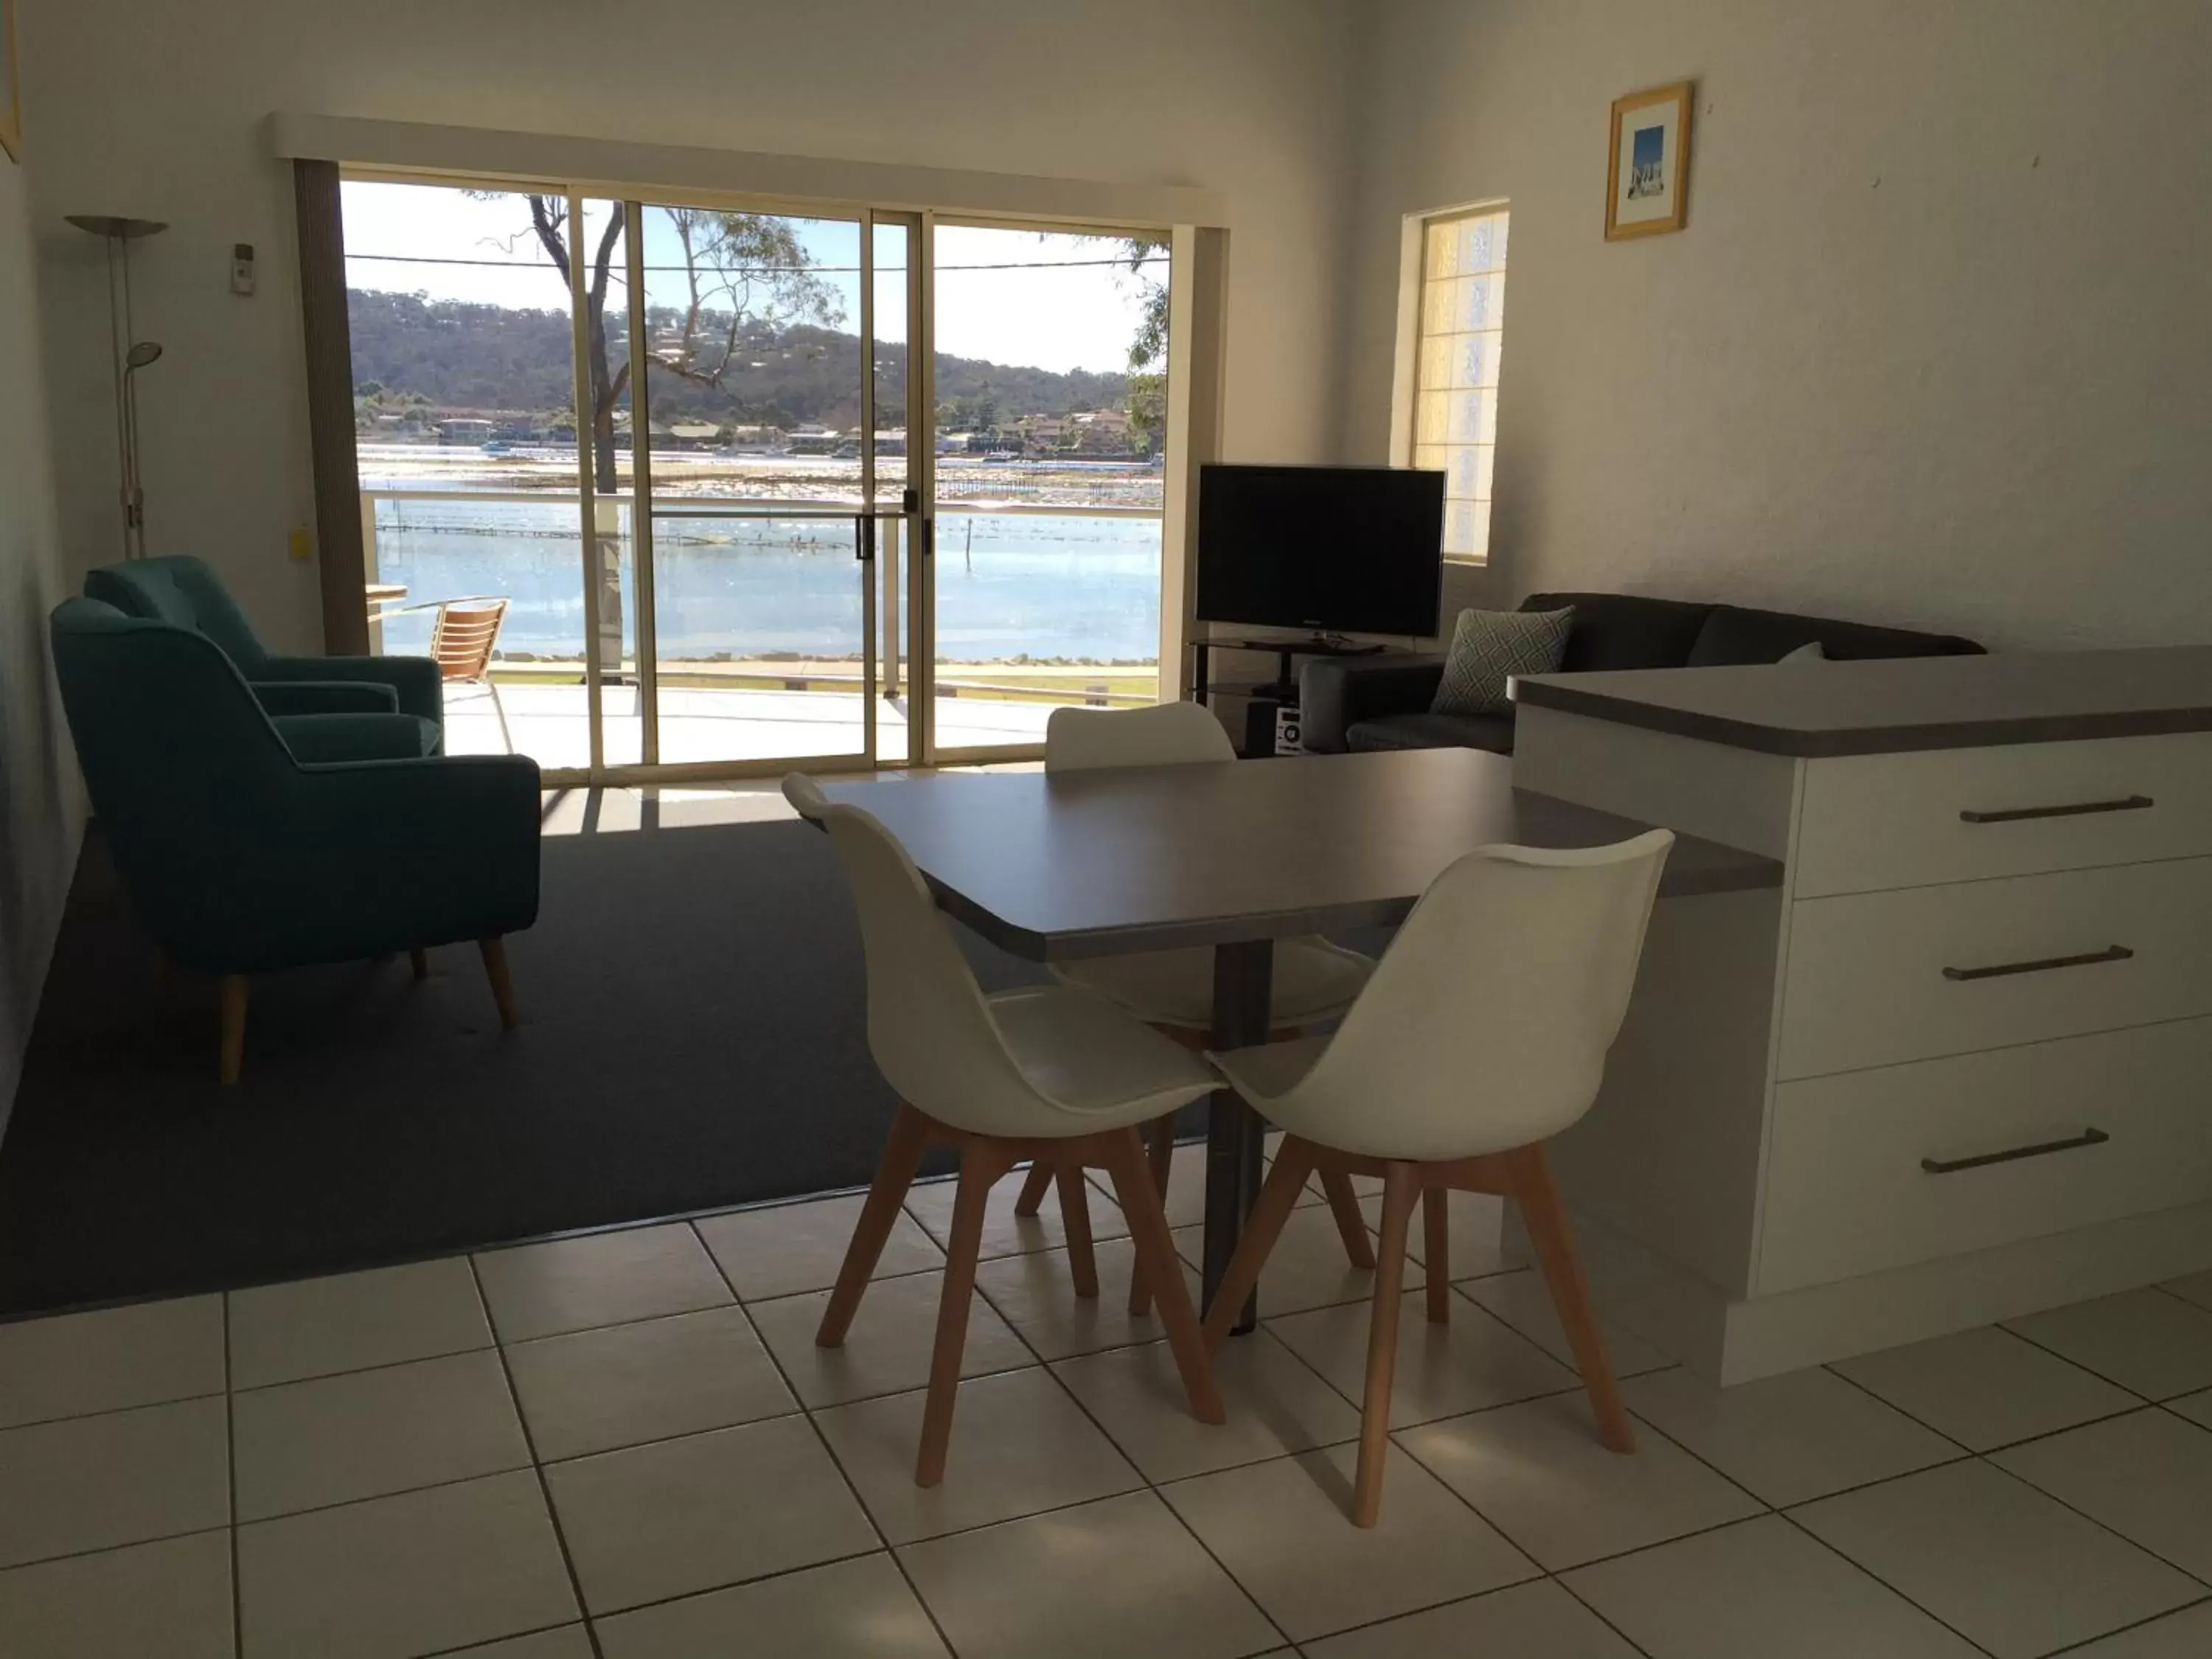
1383,702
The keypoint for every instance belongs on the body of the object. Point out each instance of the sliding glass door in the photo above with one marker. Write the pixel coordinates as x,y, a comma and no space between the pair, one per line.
730,510
1051,373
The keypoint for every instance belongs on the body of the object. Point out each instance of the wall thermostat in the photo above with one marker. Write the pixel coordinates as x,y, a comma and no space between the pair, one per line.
241,268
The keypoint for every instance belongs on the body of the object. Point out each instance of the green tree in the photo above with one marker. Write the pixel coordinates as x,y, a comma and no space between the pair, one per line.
1146,399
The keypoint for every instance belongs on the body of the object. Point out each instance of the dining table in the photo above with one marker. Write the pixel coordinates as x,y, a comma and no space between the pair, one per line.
1232,856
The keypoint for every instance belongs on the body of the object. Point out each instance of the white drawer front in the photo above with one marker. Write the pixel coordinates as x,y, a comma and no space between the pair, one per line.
1871,822
1846,1193
1878,978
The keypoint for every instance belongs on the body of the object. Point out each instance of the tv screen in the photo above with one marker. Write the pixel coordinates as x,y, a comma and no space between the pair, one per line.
1350,549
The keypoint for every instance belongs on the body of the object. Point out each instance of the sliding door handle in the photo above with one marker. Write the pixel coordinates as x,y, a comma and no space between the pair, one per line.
2042,964
2071,810
2012,1154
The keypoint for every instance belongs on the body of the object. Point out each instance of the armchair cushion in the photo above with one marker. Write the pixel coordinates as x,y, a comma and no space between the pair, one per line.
281,697
317,740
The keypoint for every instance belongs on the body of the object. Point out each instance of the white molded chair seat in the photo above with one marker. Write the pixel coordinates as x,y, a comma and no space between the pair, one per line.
1096,1062
1482,1033
1048,1074
1314,981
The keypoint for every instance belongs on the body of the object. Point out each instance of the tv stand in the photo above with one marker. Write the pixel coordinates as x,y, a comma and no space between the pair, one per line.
1267,696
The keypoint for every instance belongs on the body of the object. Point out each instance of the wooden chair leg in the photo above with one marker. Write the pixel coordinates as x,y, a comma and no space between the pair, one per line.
1160,1155
419,962
1278,1196
981,1166
1436,1250
902,1151
1546,1220
1351,1226
232,1052
1155,1246
494,952
1034,1189
1400,1186
1075,1217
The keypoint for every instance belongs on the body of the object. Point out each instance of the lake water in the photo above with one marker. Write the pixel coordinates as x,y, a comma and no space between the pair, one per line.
1075,589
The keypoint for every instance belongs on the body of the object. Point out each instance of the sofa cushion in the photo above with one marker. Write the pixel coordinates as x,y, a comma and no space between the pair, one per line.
1489,648
1732,634
1624,630
1425,730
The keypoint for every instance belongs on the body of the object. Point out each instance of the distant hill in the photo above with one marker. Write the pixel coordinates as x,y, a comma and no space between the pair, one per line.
477,359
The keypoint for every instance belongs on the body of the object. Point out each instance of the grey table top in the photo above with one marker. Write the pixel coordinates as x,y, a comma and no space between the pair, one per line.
1825,709
1100,863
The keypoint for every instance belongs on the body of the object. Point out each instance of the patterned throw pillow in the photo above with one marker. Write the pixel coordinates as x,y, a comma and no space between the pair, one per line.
1489,647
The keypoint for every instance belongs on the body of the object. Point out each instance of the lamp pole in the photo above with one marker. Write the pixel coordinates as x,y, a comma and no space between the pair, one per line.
127,355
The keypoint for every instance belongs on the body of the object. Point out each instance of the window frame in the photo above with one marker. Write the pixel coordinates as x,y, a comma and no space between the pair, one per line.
1407,387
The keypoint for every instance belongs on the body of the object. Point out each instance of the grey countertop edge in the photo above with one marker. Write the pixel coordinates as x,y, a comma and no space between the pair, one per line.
1798,743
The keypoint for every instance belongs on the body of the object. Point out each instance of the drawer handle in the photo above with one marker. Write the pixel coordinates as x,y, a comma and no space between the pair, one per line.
2073,809
2043,964
2073,1143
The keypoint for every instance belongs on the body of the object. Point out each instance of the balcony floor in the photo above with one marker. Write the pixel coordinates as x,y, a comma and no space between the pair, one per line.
549,723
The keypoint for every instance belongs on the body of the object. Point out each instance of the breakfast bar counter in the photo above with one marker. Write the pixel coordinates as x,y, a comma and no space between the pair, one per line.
1957,1065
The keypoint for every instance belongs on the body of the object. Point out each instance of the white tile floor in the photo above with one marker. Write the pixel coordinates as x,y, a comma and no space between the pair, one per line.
626,1446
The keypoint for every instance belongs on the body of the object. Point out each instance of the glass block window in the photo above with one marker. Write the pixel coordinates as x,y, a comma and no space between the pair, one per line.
1460,329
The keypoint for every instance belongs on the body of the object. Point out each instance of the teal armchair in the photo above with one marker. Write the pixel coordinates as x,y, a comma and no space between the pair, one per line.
243,849
185,593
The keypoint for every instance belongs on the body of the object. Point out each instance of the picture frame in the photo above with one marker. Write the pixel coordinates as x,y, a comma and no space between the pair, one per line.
1648,171
11,91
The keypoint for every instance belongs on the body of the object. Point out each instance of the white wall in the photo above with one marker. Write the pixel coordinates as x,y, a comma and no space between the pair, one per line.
1934,348
156,110
41,797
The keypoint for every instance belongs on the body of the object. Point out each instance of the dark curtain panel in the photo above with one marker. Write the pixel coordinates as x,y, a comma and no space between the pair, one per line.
330,407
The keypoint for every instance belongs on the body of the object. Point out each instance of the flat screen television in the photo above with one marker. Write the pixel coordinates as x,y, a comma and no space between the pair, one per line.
1339,549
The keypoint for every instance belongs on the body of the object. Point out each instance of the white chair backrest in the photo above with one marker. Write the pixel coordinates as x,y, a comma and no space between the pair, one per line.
1166,734
1486,1023
931,1034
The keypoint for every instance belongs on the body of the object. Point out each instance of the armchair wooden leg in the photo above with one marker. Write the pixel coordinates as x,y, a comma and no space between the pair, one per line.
1546,1220
902,1151
1435,1251
1155,1246
232,1053
1160,1156
1351,1226
1034,1189
1278,1196
1399,1189
494,952
981,1166
1075,1216
419,962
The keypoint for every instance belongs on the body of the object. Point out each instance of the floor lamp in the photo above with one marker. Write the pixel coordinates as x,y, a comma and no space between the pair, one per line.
130,354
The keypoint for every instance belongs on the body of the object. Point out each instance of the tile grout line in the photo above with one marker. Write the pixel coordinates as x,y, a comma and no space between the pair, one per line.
1871,1576
537,1468
2170,1612
1150,1487
230,1450
822,1440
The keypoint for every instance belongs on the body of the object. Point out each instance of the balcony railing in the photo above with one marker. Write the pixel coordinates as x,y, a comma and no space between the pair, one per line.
800,669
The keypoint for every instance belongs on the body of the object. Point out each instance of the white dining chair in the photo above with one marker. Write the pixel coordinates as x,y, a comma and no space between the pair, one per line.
1482,1034
1313,980
1045,1073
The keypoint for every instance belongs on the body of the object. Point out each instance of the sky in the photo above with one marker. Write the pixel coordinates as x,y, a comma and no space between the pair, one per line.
1058,308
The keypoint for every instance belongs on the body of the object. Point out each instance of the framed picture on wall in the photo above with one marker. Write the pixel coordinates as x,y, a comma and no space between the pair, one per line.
11,98
1650,164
